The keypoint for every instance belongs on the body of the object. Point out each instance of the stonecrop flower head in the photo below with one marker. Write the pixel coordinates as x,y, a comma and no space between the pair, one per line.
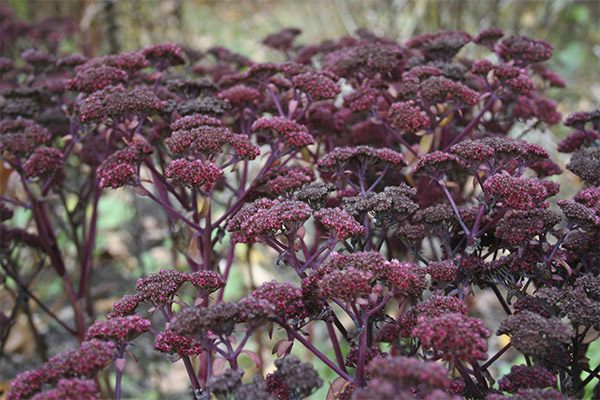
266,217
162,56
521,226
293,379
118,329
525,50
239,94
93,79
519,193
524,377
72,389
286,299
294,134
172,343
318,86
339,223
194,173
434,306
43,162
535,335
21,136
125,306
361,99
120,166
404,378
408,117
341,157
115,101
159,288
453,335
284,180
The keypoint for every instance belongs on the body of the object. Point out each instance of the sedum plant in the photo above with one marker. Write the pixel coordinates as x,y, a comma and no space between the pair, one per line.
386,176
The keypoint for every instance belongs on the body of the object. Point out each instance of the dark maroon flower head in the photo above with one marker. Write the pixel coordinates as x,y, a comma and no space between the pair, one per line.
118,329
293,379
580,215
38,59
482,67
519,193
294,134
21,136
115,101
162,56
318,86
535,335
576,140
172,343
266,217
438,89
159,288
519,227
206,282
239,94
408,117
198,322
586,164
453,335
436,164
366,57
340,157
6,212
441,45
120,166
579,119
348,284
286,299
194,121
315,194
545,168
361,99
45,161
445,271
434,306
194,173
283,180
488,37
282,40
524,377
72,389
94,79
339,223
6,64
125,306
405,378
525,50
371,353
405,278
